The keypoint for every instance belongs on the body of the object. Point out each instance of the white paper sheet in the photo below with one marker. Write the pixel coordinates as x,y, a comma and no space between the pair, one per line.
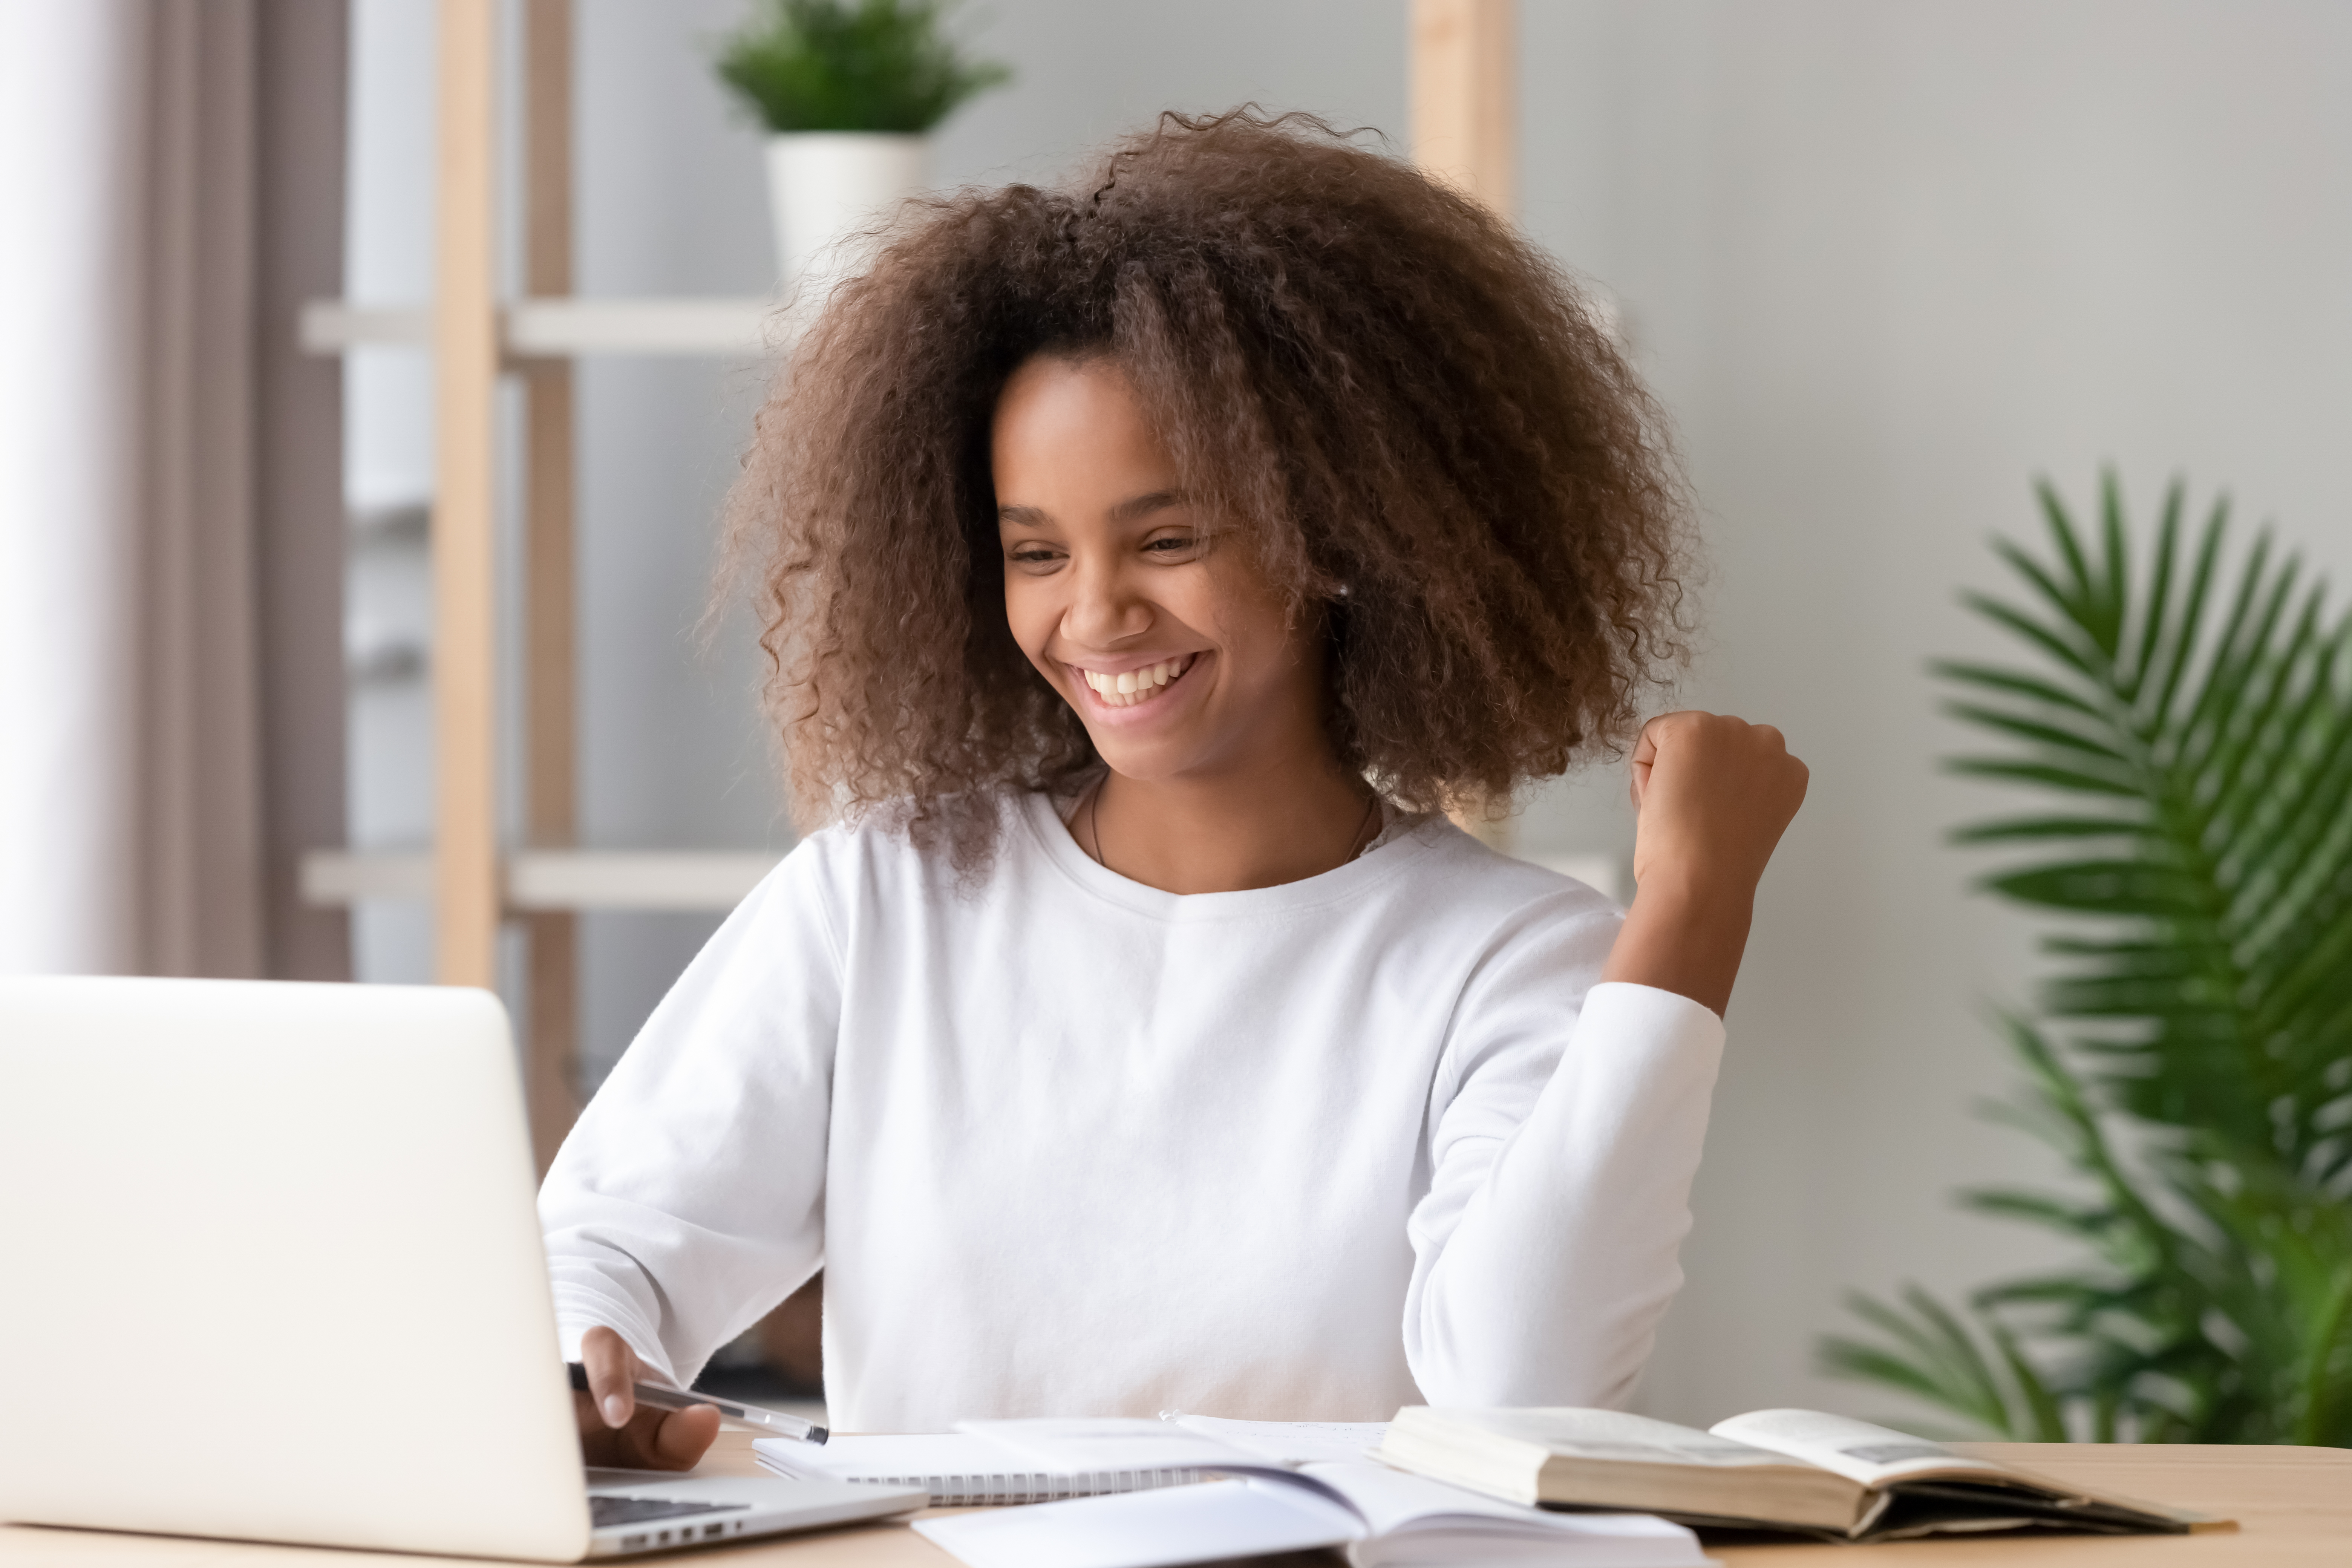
1291,1442
1146,1529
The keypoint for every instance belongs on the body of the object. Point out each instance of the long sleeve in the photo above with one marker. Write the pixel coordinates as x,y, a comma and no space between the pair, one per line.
689,1198
1545,1248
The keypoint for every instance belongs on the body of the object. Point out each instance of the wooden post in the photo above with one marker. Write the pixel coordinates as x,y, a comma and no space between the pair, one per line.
1466,101
465,384
1465,132
550,701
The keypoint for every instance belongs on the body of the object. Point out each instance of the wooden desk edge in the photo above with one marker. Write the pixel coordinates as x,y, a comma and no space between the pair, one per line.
2292,1508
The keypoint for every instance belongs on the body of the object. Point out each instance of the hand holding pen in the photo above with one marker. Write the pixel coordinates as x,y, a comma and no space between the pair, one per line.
629,1421
771,1423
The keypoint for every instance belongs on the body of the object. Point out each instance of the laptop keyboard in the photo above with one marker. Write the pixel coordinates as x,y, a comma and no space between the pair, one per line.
603,1511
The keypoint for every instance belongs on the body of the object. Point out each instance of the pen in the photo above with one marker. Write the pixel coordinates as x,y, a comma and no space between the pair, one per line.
774,1420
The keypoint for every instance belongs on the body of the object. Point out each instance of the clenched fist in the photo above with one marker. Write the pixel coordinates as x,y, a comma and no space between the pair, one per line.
1714,794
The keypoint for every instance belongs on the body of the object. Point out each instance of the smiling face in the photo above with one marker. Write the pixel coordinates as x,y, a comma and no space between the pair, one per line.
1171,645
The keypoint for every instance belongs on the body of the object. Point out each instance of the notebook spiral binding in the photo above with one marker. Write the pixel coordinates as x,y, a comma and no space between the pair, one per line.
986,1491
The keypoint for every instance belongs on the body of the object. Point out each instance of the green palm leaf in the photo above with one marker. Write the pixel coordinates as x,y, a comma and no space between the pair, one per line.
2210,994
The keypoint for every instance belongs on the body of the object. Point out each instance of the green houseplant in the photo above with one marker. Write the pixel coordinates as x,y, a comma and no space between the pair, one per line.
851,65
849,91
2190,1059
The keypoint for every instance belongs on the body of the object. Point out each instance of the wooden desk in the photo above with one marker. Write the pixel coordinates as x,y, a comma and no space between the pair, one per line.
2294,1507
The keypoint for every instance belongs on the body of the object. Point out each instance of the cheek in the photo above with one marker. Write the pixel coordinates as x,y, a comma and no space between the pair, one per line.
1030,614
1246,618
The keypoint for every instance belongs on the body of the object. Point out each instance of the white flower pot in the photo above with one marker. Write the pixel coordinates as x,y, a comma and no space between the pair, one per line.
823,184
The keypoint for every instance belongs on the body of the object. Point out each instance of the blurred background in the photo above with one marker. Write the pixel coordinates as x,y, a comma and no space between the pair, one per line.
1886,263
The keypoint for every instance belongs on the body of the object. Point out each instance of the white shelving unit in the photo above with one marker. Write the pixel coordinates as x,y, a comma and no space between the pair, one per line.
1462,115
475,879
558,328
745,328
710,880
551,880
534,880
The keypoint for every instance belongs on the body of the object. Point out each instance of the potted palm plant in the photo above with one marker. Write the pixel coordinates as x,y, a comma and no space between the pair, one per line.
2191,740
849,91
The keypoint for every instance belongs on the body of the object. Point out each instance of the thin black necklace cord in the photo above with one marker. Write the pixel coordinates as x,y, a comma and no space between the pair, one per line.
1094,827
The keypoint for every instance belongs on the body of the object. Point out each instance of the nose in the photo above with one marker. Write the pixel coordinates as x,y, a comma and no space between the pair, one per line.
1104,608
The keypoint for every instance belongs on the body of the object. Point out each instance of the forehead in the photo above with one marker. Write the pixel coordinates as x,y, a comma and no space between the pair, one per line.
1067,426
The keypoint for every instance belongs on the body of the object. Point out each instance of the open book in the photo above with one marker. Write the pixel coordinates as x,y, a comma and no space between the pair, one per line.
1383,1517
1776,1469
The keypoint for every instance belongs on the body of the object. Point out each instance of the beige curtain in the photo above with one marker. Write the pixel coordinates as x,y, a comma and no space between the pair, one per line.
170,518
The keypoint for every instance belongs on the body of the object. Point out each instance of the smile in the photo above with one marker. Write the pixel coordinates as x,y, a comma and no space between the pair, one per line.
1130,688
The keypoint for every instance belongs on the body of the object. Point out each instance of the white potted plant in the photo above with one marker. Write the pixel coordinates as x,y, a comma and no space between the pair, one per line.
849,91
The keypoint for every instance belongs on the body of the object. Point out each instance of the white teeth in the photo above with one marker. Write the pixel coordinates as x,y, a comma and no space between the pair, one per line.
1131,686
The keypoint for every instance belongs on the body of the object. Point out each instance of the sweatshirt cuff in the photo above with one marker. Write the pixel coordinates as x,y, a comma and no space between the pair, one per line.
1670,1023
579,1308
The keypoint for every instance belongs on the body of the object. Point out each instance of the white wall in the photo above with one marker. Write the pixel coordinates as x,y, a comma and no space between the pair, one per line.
1886,262
1883,261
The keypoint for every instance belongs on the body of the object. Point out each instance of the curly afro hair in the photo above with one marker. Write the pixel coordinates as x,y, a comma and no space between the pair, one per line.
1408,411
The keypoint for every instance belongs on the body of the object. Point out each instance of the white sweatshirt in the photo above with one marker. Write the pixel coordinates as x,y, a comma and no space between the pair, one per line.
1065,1144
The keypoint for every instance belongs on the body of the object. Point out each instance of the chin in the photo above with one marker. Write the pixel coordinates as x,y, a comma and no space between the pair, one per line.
1145,764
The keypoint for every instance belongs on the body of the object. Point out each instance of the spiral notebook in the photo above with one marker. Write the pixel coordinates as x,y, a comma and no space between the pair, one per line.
958,1468
964,1468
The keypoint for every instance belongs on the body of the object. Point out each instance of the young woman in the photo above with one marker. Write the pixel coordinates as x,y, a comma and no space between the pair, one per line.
1145,567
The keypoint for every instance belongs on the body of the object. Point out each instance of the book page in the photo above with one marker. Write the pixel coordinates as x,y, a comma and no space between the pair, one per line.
1290,1442
1392,1501
1858,1450
1614,1435
1389,1517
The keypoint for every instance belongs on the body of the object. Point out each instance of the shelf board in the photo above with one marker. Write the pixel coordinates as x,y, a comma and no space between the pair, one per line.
718,326
661,880
538,879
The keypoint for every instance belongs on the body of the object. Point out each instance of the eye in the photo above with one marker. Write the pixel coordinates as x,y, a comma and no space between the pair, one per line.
1170,544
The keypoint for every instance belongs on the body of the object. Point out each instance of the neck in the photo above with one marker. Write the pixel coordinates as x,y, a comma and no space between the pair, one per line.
1273,820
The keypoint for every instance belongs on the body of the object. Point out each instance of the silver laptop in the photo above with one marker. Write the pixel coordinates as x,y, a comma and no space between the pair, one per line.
272,1271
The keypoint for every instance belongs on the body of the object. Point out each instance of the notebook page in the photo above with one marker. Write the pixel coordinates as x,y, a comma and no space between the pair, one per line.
1290,1442
1096,1443
893,1460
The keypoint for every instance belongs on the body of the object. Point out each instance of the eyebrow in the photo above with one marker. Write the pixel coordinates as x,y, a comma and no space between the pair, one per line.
1128,510
1144,505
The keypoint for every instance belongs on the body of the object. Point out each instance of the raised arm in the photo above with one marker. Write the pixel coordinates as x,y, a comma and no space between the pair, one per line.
1547,1246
